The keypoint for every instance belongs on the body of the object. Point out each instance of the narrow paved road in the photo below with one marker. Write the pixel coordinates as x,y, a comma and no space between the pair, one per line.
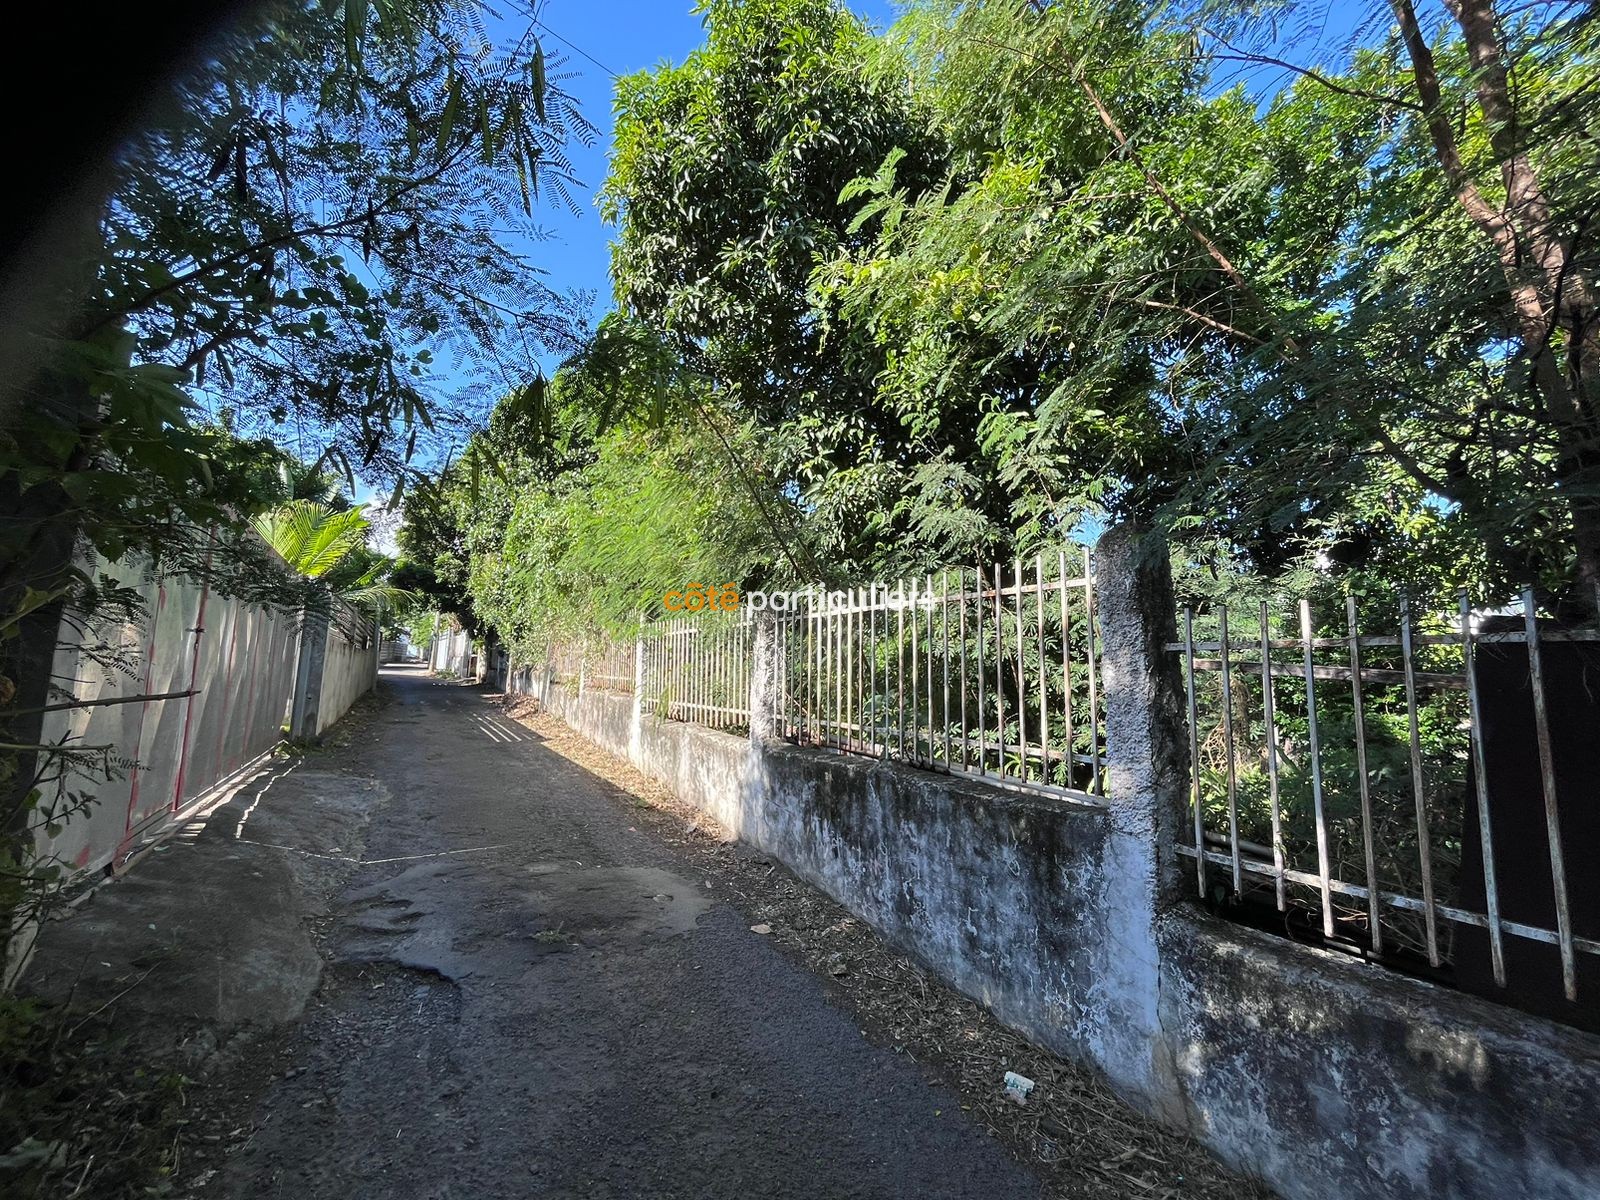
532,996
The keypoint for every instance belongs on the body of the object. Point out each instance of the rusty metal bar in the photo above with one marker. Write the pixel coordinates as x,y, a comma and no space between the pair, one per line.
1022,678
1066,668
1097,781
983,699
1194,751
1044,683
999,676
1369,851
900,669
888,660
944,662
1270,723
916,681
1338,674
1228,750
858,725
961,612
927,607
1491,890
842,626
1405,903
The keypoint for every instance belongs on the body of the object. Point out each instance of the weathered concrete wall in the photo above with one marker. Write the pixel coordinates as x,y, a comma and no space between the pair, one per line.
338,664
1001,892
1329,1078
350,667
452,653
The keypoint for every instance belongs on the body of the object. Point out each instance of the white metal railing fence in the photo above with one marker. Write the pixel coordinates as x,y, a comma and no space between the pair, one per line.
595,662
698,669
1344,772
1336,772
983,671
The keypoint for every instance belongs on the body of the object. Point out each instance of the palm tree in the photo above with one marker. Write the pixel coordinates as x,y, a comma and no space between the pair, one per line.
330,545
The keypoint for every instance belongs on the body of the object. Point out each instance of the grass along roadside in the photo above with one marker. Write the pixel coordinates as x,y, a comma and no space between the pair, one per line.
85,1111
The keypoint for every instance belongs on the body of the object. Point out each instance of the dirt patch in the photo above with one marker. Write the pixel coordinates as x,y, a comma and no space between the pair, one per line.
1073,1129
160,1002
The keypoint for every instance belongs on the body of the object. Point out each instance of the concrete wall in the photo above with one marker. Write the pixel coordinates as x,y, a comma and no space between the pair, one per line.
452,652
350,669
1327,1077
229,671
1331,1077
237,659
338,664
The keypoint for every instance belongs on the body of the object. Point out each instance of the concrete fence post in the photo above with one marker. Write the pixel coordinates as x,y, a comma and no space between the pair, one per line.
1146,728
764,676
303,710
1147,775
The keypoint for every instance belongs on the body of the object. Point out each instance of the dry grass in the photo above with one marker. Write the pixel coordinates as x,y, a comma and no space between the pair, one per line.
1074,1130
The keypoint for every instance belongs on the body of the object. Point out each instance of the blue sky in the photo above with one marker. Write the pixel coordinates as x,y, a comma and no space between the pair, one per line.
602,37
625,36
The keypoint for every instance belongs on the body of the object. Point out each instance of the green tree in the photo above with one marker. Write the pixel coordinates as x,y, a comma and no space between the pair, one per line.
571,517
330,546
724,186
1275,327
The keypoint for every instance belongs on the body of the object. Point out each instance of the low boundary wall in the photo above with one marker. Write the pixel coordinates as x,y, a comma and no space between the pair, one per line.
1326,1077
338,664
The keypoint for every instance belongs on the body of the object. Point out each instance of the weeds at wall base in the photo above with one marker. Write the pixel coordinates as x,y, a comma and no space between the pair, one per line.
83,1112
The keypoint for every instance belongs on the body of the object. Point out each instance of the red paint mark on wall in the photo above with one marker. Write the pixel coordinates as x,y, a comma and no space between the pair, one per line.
138,737
226,764
194,676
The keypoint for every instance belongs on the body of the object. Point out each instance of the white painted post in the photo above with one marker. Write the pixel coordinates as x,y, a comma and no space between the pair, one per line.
1147,775
764,680
636,716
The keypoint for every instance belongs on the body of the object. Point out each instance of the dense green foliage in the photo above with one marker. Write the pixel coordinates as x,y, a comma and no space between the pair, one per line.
1271,325
300,253
574,521
1069,274
725,186
271,253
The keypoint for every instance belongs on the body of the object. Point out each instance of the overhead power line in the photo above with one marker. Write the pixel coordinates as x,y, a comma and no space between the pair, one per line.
573,46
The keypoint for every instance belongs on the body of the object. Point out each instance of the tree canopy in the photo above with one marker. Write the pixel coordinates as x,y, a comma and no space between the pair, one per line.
1015,267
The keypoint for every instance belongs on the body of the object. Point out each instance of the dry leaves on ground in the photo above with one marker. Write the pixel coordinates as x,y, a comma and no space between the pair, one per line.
1074,1130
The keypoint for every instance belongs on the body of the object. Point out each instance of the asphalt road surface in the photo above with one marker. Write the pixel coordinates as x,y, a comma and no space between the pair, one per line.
531,995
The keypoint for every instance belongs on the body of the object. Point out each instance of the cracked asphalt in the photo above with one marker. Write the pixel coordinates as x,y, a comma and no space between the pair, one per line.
529,993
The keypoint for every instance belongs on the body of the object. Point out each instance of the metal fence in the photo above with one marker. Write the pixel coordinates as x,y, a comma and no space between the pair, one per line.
698,669
989,672
592,663
1338,774
1343,773
154,708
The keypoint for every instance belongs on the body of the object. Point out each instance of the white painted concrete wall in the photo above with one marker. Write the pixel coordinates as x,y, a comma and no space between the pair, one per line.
162,756
1327,1077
